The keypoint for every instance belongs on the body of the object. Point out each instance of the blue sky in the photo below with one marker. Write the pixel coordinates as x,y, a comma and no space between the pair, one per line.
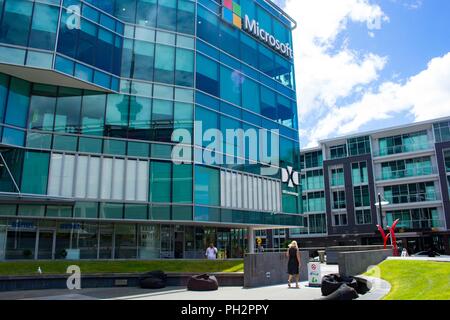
369,64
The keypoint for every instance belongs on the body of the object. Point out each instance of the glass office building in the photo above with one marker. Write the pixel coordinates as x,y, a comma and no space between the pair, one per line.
91,93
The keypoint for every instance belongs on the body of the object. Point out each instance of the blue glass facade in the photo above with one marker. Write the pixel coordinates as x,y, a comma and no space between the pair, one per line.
92,91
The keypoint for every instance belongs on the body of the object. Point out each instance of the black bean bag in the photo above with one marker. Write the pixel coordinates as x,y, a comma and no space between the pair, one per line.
332,282
153,280
343,293
202,282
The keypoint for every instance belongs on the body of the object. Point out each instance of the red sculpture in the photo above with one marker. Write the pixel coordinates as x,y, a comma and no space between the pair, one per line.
390,235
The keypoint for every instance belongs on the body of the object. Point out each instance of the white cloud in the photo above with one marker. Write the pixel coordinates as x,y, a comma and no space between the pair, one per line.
329,74
324,71
425,96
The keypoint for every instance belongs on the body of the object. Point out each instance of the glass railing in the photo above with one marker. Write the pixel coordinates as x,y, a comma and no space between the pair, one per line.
337,181
408,173
402,149
419,197
418,224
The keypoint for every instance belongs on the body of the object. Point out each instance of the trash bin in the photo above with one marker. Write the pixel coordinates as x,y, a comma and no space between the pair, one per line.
321,256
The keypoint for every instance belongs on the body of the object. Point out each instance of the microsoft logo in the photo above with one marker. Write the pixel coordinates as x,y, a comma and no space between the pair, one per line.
231,13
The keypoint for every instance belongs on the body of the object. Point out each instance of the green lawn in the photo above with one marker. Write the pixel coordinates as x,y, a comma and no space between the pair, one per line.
60,267
416,280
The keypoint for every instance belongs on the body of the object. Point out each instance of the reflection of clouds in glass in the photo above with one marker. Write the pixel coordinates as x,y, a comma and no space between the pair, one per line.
238,80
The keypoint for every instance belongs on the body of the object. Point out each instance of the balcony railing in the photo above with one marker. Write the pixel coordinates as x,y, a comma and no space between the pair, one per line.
408,173
411,198
402,149
418,224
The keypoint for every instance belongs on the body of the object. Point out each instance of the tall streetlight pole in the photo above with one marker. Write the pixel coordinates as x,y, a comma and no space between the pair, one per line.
381,202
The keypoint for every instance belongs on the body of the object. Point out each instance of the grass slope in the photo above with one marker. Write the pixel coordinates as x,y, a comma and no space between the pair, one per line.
93,267
416,280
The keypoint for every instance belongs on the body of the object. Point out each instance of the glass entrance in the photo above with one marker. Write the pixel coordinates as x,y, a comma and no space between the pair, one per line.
20,245
179,245
45,245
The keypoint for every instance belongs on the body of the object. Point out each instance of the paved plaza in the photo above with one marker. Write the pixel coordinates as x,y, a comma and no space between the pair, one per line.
279,292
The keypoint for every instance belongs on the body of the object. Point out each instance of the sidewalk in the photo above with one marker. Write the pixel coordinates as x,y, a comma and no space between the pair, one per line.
279,292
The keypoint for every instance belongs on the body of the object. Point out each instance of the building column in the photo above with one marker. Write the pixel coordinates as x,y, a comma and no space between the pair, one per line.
251,240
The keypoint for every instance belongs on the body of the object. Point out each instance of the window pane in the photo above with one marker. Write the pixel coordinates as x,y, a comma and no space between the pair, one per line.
160,181
18,100
42,107
93,114
67,118
16,22
35,173
207,182
140,118
164,63
230,85
182,183
207,75
184,68
117,116
43,27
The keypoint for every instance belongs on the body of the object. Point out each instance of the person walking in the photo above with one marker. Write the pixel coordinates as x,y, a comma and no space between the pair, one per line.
293,263
211,252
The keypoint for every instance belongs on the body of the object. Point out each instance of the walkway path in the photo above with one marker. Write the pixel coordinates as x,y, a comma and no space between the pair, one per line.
281,292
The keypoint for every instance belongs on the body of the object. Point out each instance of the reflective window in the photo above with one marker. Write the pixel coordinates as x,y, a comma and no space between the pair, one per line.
447,160
117,116
182,184
167,14
164,63
160,181
44,26
4,82
67,117
93,113
16,22
42,107
339,201
363,216
125,244
230,85
337,177
142,60
359,146
361,196
35,173
184,74
359,173
207,186
140,118
314,202
207,75
442,131
18,100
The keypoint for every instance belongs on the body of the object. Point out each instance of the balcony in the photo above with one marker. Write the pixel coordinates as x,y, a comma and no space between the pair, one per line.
412,198
389,151
419,224
407,173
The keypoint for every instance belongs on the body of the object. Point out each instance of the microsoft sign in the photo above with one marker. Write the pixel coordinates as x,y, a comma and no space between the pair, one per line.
232,13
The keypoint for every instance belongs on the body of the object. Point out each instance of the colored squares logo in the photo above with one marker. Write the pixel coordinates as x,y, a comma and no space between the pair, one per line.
231,13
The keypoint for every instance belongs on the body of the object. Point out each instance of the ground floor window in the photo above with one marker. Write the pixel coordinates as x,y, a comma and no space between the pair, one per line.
35,239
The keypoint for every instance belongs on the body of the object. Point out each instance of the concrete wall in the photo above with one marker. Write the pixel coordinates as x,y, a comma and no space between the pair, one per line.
356,262
41,282
266,269
332,252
